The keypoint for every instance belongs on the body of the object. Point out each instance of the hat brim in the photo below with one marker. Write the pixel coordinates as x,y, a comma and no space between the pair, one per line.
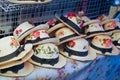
68,38
50,40
60,64
70,24
27,48
57,26
115,51
97,33
91,21
29,2
106,21
90,56
17,62
28,68
41,26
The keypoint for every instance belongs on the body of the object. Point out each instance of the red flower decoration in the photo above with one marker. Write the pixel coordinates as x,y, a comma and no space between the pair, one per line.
108,43
17,32
71,15
36,34
51,22
113,24
61,33
20,30
72,43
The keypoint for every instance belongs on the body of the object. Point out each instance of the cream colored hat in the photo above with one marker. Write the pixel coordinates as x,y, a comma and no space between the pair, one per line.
102,44
116,39
54,24
26,28
29,1
40,37
11,50
78,49
66,34
23,69
47,55
72,21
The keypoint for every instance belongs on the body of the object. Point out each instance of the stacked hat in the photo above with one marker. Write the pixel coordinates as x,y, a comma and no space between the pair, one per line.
29,1
110,25
102,44
78,51
13,57
92,27
72,21
46,52
24,29
116,39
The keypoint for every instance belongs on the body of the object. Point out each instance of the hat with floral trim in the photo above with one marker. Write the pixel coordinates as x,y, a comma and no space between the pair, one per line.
75,49
26,28
72,21
109,25
29,1
102,44
47,55
11,50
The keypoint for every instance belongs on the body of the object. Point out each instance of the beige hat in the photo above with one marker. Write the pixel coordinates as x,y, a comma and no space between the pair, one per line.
47,55
23,69
102,44
29,1
109,25
72,21
11,50
78,49
116,39
40,37
66,34
92,27
26,28
54,24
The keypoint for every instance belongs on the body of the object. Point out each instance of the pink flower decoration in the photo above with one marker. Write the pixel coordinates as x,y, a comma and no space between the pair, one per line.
36,34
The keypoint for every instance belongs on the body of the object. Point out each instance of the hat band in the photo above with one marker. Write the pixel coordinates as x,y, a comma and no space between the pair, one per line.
116,43
90,33
69,22
76,53
103,50
113,29
67,37
36,40
45,61
14,69
12,55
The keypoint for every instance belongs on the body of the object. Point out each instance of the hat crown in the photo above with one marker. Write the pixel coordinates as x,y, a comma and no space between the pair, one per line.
102,41
37,34
94,27
22,28
78,45
116,36
8,45
63,32
47,51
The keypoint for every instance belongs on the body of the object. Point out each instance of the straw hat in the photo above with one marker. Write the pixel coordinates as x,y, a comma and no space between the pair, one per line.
26,28
102,44
19,70
54,24
92,27
40,37
72,21
116,39
66,34
109,25
75,49
47,55
11,50
29,1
